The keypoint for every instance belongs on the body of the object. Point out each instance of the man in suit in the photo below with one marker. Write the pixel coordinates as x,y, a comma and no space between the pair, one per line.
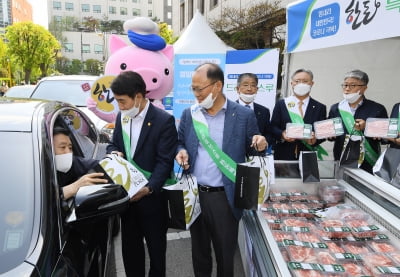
247,87
354,110
214,135
297,108
147,137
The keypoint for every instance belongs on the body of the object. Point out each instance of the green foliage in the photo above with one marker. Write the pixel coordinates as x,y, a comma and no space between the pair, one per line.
166,33
31,47
93,67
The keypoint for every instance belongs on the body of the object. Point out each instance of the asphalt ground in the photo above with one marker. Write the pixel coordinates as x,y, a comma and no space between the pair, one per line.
179,256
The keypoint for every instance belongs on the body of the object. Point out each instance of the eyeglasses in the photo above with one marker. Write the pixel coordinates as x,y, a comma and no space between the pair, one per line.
248,86
297,81
199,90
344,86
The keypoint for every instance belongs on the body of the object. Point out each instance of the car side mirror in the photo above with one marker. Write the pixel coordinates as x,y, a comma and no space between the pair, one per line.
98,201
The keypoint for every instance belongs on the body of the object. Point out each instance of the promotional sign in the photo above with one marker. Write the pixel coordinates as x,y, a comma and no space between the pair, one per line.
313,24
184,65
102,94
263,63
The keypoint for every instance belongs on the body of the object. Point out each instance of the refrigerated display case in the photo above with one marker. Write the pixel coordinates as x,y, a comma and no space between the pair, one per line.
261,254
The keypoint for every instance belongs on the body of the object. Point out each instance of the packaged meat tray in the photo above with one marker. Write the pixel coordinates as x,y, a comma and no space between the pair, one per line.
298,130
381,127
328,128
362,228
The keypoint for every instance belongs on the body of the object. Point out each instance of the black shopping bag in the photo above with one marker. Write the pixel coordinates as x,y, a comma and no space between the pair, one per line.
246,186
353,152
308,165
387,163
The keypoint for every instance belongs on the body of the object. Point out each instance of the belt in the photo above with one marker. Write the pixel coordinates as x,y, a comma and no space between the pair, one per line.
203,188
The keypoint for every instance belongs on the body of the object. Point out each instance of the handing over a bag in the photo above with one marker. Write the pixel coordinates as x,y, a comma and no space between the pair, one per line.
183,202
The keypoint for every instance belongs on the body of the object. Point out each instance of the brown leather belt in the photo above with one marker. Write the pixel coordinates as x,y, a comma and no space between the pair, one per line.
204,188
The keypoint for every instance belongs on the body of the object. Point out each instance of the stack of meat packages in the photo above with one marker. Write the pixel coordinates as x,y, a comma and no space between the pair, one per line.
345,242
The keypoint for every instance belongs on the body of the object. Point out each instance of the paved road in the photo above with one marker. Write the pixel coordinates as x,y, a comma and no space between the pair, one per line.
179,261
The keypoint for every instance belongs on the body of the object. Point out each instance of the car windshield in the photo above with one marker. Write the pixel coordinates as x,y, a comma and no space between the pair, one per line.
16,198
71,91
20,91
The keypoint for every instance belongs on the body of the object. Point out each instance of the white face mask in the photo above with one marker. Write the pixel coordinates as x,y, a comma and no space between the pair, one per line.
247,98
63,162
132,112
301,89
352,97
207,102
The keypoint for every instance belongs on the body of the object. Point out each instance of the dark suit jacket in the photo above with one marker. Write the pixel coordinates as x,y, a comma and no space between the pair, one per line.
284,150
155,151
367,109
395,114
239,127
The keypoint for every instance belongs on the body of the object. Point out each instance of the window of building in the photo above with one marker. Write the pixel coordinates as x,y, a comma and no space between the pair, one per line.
201,6
85,8
96,8
57,18
123,1
56,5
149,13
169,15
68,47
123,11
85,48
182,17
69,6
98,49
213,4
135,1
150,1
136,12
112,10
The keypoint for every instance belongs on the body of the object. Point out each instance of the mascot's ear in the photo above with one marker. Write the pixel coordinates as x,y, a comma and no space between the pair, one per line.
168,51
116,43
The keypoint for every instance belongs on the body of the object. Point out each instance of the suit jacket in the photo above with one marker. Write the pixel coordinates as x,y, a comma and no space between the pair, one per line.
239,128
284,150
395,114
368,108
156,147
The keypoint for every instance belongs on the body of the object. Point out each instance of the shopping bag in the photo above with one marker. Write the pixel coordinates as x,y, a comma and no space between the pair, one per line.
267,175
387,163
353,152
120,171
308,166
247,186
396,178
183,202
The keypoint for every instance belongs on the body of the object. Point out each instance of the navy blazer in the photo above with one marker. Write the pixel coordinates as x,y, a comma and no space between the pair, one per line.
368,108
156,147
395,114
284,150
239,128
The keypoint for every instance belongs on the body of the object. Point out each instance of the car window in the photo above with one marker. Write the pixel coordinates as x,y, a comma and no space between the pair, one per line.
16,198
71,91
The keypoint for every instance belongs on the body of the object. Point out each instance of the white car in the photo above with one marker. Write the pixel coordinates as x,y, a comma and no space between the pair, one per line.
73,89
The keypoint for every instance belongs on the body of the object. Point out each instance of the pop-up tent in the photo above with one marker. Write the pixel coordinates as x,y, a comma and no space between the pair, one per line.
333,37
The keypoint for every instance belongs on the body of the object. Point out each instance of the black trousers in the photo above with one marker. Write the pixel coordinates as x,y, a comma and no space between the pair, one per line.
217,225
145,219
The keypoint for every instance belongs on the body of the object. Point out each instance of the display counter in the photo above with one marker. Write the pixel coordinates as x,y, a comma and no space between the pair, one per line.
262,255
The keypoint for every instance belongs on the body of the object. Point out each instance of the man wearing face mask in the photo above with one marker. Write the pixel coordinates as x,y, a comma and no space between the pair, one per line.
247,87
215,134
354,110
297,108
72,170
146,136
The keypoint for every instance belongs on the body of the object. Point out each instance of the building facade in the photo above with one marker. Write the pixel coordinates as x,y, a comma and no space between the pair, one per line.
82,44
13,11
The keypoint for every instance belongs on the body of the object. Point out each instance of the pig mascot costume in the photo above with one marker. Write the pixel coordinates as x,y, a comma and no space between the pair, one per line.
148,55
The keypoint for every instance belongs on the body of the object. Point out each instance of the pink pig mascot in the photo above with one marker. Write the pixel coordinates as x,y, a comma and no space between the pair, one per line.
148,55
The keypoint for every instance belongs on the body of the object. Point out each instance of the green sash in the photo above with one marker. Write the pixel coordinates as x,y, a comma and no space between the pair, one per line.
348,119
295,117
126,135
224,163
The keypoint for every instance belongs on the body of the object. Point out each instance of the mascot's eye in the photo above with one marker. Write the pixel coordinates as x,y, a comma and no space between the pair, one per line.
154,80
123,66
166,71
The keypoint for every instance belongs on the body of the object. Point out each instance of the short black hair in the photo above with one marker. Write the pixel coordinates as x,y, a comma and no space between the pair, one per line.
61,130
128,83
214,72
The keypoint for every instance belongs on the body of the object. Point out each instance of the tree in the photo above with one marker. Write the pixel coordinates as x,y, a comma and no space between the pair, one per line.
252,27
32,47
93,67
166,33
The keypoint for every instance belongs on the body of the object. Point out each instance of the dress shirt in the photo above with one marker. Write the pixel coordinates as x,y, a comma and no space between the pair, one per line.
244,104
136,127
205,169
